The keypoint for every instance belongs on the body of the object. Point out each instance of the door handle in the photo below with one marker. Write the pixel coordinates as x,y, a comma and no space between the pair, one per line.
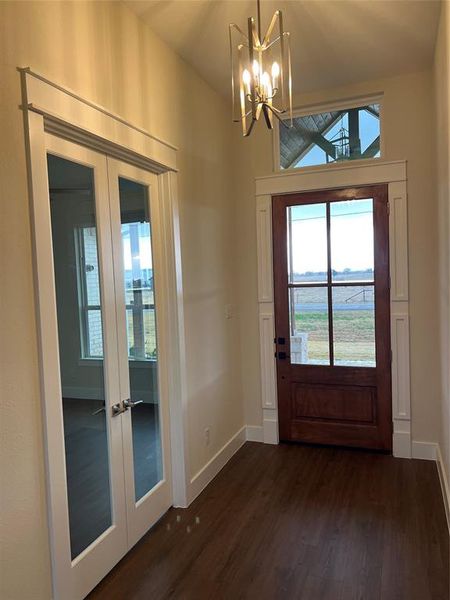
118,409
130,404
281,355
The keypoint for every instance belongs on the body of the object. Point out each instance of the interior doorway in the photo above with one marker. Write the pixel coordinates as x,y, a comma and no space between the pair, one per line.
110,393
332,316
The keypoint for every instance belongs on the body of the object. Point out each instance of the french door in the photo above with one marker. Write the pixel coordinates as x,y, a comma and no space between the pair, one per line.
331,280
109,463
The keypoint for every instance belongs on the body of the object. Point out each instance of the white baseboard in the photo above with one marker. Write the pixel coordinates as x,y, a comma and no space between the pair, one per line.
216,464
444,483
401,444
254,433
270,431
424,450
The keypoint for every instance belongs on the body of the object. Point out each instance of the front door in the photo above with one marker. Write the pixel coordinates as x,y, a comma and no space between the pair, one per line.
331,280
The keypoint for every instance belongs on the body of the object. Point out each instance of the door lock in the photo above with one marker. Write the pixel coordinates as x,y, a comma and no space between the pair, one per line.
281,355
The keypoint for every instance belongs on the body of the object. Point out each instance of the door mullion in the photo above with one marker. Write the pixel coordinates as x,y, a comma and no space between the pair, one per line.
329,289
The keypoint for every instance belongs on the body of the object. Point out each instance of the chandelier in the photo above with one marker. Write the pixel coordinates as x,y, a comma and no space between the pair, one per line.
261,80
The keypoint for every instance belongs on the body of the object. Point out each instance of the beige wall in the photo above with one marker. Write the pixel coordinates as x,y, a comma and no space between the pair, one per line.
442,91
408,115
103,52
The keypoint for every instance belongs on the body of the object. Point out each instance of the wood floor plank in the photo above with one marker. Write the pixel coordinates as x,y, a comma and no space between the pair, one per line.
297,522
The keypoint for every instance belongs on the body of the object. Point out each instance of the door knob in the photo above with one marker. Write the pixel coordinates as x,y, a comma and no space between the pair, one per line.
130,404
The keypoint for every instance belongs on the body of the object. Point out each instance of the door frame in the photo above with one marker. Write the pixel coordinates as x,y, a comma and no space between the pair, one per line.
49,108
392,173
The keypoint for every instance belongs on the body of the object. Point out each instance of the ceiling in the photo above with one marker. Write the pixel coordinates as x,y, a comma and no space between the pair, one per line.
334,42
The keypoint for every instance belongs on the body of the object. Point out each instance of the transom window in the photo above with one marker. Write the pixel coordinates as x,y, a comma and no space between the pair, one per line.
329,137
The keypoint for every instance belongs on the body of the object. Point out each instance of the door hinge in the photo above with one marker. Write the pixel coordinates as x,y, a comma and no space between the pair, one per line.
388,207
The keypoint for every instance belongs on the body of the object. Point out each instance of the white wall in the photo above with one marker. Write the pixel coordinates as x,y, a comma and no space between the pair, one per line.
442,92
408,129
103,52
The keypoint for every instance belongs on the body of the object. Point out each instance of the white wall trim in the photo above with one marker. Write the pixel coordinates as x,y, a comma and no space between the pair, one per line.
254,433
392,173
424,450
216,464
68,115
444,483
331,176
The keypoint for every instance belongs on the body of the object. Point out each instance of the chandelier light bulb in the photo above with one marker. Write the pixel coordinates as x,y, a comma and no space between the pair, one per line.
265,82
246,78
256,68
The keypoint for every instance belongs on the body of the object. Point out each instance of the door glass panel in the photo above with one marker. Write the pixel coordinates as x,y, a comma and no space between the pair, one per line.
79,314
354,326
351,232
141,334
309,326
307,243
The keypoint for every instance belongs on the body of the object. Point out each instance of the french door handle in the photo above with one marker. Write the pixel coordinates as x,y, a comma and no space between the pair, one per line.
118,409
281,355
130,404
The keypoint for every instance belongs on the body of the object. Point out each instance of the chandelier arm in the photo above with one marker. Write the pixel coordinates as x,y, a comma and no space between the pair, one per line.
239,30
232,72
272,42
283,60
289,76
258,5
276,16
276,113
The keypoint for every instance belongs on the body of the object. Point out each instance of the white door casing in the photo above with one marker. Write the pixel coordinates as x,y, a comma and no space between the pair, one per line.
392,173
47,107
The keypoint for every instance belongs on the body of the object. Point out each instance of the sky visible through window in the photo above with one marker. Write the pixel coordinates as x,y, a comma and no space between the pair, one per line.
351,237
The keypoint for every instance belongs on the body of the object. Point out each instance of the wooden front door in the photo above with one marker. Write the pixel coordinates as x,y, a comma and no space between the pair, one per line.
331,279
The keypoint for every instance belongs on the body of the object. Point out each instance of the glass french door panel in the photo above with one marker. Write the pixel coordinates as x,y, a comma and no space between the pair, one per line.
77,283
354,326
309,326
352,242
307,243
141,335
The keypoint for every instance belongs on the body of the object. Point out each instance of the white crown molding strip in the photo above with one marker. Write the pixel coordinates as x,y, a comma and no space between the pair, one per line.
64,110
216,464
332,176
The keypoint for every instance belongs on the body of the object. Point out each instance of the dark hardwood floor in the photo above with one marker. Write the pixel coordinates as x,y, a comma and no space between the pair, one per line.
297,522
